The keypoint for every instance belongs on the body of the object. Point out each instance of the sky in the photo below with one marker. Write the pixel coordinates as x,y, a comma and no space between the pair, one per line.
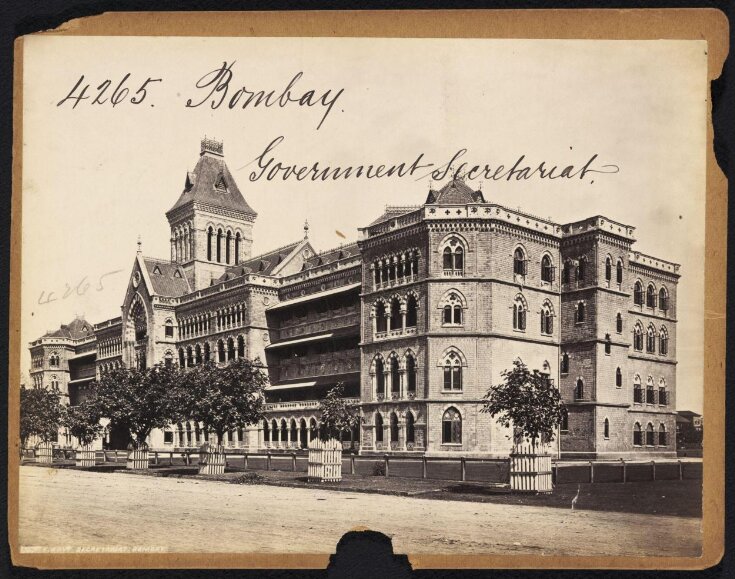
97,176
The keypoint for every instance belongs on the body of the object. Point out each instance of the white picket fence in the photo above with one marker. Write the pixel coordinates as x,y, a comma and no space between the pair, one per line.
45,453
530,468
212,460
85,456
137,460
325,461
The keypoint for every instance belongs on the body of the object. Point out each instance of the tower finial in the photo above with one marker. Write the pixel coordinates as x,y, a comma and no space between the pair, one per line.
140,246
306,229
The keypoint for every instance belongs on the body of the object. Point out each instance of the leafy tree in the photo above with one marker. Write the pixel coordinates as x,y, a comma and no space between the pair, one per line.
337,415
223,398
140,400
526,400
41,414
83,421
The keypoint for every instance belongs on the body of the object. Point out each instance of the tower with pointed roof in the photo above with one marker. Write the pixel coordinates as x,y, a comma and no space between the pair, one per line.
211,223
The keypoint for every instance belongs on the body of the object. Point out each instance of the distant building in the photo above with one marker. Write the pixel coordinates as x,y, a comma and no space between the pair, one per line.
689,426
418,318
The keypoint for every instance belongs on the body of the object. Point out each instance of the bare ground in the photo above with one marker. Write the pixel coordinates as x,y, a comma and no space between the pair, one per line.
69,510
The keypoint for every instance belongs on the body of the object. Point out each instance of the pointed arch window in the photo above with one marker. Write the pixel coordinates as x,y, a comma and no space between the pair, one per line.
453,258
650,439
651,340
547,320
230,349
564,424
381,321
206,352
238,242
579,313
564,369
411,374
579,390
378,427
198,354
638,337
651,296
608,269
662,440
240,347
228,241
618,378
547,269
519,314
181,358
411,311
619,323
393,427
219,246
663,348
169,329
608,344
379,377
452,366
637,390
663,398
395,314
410,434
582,268
650,392
220,351
566,272
453,309
451,427
637,435
519,262
638,293
395,376
663,300
606,429
619,271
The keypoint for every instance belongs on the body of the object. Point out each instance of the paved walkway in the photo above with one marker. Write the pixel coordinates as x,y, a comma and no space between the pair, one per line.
67,510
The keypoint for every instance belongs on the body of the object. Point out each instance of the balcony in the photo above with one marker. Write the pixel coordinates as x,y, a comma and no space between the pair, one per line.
322,323
453,273
318,365
398,332
389,283
301,405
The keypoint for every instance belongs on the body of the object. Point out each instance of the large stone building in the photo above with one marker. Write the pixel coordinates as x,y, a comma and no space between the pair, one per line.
417,319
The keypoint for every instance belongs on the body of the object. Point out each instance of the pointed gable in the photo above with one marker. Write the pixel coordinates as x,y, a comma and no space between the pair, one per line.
166,279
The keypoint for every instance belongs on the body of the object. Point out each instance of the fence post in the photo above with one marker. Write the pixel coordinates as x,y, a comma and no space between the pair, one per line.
423,466
386,466
464,468
246,461
592,472
681,474
352,464
267,459
188,458
653,470
171,459
293,462
155,457
625,476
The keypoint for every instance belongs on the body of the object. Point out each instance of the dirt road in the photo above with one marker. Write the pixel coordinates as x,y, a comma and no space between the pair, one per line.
68,510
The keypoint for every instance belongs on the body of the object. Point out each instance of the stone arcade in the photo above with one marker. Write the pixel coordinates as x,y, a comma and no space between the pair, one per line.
417,319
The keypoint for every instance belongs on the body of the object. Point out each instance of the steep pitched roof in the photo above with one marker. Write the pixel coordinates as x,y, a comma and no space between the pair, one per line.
332,255
263,264
168,279
456,192
212,183
74,330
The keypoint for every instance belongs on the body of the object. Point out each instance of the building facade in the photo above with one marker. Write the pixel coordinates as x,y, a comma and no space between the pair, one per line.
417,319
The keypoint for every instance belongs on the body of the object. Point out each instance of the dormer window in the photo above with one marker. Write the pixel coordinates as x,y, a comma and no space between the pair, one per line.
221,185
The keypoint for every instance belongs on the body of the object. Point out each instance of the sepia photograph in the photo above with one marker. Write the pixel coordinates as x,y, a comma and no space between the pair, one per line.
274,290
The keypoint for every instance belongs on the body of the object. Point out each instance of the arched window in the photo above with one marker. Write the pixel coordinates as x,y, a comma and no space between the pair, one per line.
451,427
564,424
663,348
230,349
619,268
608,268
284,430
411,311
637,435
189,356
453,250
638,293
650,392
606,428
453,309
663,299
619,323
220,351
378,427
393,427
198,354
566,272
651,296
169,328
395,376
638,337
637,390
237,247
381,321
564,363
240,347
54,382
582,268
395,314
219,246
650,441
663,397
651,340
618,378
519,314
53,360
228,241
410,374
410,434
314,427
206,352
579,313
452,371
547,319
379,377
579,390
519,262
662,435
547,269
182,362
608,344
